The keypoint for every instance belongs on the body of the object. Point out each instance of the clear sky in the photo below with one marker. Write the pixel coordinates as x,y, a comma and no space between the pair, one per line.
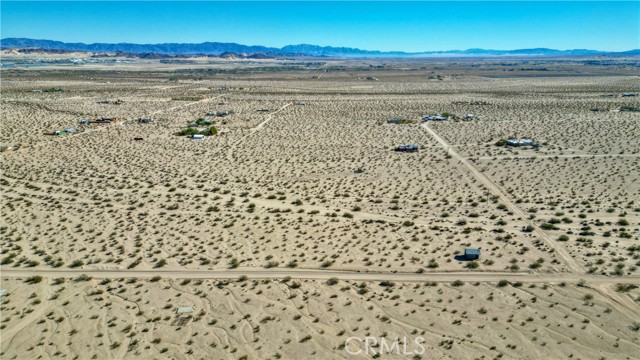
403,26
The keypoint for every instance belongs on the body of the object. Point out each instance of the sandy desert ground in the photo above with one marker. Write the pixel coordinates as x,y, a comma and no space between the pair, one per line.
297,226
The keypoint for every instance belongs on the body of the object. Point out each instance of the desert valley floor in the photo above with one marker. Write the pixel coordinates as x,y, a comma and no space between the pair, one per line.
298,226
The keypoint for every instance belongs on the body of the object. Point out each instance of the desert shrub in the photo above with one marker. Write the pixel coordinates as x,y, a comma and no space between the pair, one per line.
76,263
34,279
528,228
211,131
625,287
305,339
472,265
189,132
161,263
83,277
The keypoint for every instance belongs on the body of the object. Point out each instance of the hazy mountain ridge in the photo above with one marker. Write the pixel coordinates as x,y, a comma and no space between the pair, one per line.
218,48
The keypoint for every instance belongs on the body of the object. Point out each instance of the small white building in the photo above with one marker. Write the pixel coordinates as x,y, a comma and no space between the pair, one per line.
434,118
184,310
197,137
521,142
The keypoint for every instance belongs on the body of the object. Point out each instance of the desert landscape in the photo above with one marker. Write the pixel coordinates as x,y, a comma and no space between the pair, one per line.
294,225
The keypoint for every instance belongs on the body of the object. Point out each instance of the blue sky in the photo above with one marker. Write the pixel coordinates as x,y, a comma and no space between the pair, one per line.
404,26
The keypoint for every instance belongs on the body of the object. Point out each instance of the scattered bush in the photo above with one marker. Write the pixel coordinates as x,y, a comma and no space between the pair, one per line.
34,279
332,281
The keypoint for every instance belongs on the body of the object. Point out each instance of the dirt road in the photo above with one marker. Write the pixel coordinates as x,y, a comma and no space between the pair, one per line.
253,130
185,105
319,274
547,156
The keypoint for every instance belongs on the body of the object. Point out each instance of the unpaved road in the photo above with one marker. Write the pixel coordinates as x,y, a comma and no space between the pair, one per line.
547,156
255,129
186,105
602,284
572,265
319,274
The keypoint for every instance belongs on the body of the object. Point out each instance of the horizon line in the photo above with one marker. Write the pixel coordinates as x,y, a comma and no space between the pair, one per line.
308,44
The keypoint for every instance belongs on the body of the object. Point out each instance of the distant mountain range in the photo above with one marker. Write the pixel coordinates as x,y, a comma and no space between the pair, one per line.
217,48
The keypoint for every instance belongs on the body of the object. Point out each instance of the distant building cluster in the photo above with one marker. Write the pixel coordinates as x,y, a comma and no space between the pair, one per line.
522,142
408,148
437,117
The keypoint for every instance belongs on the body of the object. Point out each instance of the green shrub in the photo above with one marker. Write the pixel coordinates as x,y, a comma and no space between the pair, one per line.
625,287
76,263
211,131
189,132
34,279
547,226
161,263
332,281
472,265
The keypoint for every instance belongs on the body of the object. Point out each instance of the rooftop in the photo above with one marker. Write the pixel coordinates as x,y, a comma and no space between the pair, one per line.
471,251
184,309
